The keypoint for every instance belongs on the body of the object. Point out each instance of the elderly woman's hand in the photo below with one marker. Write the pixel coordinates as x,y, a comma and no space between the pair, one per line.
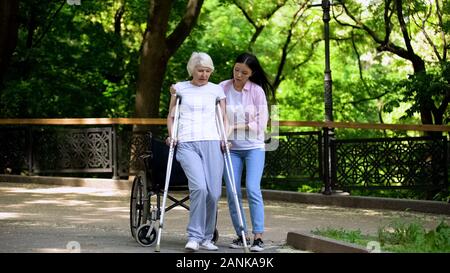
172,90
168,139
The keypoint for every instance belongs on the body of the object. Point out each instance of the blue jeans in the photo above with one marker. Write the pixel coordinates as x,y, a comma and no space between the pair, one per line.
254,164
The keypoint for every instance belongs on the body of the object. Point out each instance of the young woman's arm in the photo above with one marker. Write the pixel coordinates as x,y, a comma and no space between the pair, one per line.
260,113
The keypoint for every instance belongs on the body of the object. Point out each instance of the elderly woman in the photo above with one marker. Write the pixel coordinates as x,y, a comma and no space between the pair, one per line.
199,147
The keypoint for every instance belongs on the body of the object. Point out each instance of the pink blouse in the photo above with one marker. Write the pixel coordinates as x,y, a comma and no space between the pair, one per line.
255,104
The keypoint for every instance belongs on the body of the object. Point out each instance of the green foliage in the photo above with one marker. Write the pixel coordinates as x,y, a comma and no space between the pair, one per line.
414,237
296,185
79,68
350,236
394,193
309,188
420,87
443,196
221,34
398,237
446,12
71,63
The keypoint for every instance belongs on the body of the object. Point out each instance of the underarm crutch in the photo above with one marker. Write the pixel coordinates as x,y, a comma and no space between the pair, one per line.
230,174
168,173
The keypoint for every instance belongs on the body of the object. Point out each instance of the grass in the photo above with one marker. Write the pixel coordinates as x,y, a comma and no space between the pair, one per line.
398,237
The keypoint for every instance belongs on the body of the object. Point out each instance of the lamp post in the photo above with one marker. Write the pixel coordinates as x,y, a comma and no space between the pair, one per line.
328,98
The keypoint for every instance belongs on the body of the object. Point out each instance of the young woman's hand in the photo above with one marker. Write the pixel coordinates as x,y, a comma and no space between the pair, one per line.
230,128
223,147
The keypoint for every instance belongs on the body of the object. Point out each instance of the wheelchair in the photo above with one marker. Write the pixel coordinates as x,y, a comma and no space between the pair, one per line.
150,182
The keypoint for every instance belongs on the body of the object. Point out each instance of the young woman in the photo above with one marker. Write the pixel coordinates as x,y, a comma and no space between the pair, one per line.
199,147
248,116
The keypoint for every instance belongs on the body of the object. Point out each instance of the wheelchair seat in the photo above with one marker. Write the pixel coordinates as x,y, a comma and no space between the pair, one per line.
158,165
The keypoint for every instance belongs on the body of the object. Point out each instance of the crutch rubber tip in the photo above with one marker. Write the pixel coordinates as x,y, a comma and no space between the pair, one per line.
246,250
157,248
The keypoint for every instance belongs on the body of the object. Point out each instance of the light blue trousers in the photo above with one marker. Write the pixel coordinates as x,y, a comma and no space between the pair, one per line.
202,162
254,164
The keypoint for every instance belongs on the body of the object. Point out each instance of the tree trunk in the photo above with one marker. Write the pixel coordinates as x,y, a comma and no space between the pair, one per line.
9,28
157,48
426,106
152,68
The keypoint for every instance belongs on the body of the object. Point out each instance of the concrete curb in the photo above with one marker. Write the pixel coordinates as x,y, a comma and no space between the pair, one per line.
426,206
320,244
102,183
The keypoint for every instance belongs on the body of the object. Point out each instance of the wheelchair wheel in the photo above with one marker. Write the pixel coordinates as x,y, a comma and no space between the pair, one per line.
145,236
215,236
138,203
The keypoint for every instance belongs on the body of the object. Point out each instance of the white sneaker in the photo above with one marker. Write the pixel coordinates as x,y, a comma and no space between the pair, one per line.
208,245
192,245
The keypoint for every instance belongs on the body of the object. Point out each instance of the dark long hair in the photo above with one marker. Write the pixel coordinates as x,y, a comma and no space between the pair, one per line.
258,75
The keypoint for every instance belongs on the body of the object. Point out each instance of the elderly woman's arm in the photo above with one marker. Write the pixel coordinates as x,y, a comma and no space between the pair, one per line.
171,116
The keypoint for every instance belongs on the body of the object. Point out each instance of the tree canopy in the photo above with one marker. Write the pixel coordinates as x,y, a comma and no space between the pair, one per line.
117,58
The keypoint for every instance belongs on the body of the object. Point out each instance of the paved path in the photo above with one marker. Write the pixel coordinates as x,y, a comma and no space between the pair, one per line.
53,218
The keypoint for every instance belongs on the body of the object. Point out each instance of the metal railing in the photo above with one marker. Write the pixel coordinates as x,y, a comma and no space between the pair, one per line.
47,146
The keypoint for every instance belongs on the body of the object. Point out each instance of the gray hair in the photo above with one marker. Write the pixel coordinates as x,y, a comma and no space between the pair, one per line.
199,58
